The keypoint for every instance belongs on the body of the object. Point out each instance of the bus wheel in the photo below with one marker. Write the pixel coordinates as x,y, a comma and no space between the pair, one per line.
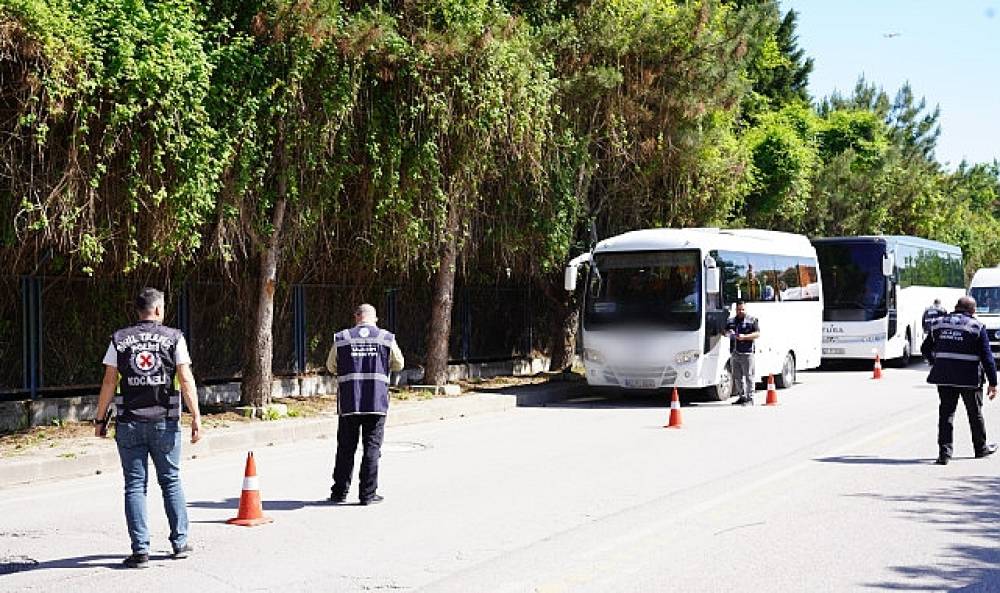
905,360
787,377
724,390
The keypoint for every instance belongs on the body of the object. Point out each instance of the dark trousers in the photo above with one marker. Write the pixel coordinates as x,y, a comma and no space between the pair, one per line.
370,427
973,399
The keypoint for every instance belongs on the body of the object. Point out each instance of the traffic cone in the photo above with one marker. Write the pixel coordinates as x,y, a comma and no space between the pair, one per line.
251,512
675,411
877,371
772,393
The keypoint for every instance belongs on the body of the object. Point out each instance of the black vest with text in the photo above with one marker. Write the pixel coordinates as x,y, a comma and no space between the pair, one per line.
363,370
147,361
957,340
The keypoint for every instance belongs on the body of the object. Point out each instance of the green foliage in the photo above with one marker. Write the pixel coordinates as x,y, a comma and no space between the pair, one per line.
166,132
785,152
114,153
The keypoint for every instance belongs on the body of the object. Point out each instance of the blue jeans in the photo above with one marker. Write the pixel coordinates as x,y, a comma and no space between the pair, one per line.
137,442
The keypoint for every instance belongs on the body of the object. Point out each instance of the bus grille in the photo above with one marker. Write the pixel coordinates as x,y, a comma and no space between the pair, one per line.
662,376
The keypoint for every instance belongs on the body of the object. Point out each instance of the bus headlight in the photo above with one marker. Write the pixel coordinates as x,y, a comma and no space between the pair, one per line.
686,357
591,355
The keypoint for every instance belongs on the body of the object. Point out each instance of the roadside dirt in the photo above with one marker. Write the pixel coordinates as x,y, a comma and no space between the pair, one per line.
70,439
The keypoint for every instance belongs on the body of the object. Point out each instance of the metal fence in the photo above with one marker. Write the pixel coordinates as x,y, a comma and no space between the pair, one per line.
54,330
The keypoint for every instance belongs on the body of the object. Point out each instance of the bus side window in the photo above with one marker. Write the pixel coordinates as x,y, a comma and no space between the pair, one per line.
809,278
789,285
761,278
734,269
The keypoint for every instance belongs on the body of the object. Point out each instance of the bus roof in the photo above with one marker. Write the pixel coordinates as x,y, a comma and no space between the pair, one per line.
752,240
893,239
989,277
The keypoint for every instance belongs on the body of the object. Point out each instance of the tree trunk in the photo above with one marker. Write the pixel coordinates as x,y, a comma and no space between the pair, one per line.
565,321
256,387
439,330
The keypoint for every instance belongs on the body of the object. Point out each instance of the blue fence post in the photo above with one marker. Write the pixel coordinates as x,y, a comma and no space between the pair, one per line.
466,325
299,327
530,320
184,312
390,309
31,303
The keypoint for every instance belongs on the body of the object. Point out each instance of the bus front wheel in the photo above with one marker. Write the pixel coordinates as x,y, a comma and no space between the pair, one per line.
724,389
787,377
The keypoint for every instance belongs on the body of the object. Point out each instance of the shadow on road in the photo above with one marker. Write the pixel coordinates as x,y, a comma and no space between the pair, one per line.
866,366
269,505
868,460
90,561
969,508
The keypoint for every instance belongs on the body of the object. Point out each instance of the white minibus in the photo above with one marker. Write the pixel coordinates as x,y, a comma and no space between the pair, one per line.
657,301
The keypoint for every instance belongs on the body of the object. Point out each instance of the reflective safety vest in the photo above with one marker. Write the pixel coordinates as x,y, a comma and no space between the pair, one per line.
147,362
363,370
747,325
959,351
930,314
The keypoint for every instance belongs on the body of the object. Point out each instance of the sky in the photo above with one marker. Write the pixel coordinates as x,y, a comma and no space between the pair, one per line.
948,50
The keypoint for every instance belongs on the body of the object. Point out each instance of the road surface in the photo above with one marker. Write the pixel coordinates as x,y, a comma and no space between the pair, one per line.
832,490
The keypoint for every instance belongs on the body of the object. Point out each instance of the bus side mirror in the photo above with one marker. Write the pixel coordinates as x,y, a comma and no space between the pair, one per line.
570,279
888,264
712,276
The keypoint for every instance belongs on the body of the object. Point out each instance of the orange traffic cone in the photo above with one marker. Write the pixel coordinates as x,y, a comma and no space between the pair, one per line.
877,371
251,512
675,411
772,393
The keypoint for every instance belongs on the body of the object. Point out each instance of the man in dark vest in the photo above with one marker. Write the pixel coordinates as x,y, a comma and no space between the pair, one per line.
743,330
147,357
362,358
959,352
931,313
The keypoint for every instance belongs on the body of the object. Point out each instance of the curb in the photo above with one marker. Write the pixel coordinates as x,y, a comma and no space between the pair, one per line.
236,438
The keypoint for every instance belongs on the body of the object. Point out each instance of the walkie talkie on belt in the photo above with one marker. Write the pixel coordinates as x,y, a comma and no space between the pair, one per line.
102,424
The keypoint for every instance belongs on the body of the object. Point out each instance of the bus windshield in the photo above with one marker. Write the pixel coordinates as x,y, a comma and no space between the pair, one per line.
661,289
987,299
854,288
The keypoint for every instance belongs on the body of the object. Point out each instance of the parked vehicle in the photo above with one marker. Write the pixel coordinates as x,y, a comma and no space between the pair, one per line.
875,290
657,301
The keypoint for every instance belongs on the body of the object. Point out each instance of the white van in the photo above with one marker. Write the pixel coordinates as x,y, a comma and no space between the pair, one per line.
985,288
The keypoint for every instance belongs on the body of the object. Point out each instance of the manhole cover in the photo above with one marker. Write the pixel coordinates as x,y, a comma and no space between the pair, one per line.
402,447
12,564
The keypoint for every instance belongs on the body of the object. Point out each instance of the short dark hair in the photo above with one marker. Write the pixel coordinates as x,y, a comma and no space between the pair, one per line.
740,302
148,298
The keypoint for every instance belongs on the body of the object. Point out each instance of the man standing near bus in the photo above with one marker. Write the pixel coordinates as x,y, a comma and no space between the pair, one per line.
959,352
743,330
931,313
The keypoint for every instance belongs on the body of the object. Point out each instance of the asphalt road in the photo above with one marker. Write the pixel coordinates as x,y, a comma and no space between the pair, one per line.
832,490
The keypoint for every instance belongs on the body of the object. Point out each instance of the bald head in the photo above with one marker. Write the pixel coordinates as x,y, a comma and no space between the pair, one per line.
966,304
365,314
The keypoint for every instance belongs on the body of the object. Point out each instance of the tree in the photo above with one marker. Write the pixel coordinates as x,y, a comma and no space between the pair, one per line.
780,69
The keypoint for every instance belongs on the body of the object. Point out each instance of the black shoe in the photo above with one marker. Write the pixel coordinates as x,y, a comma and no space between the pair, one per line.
136,561
338,498
373,500
739,402
943,460
182,552
986,451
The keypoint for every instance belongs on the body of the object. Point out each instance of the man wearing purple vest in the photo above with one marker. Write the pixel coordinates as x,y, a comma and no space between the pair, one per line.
362,358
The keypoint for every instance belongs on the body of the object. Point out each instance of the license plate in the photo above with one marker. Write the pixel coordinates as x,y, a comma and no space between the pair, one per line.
834,351
641,383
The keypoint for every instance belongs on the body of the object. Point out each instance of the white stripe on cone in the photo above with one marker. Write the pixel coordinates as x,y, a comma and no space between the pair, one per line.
251,483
